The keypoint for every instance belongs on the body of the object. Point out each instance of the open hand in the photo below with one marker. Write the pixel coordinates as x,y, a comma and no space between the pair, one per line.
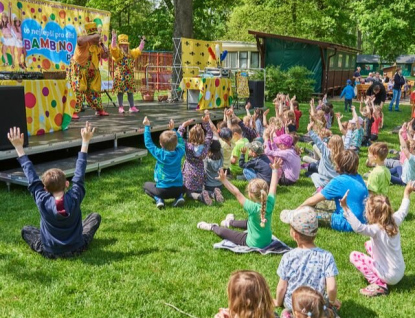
206,118
343,201
171,124
276,164
265,113
16,138
243,150
310,126
87,132
113,33
146,122
221,175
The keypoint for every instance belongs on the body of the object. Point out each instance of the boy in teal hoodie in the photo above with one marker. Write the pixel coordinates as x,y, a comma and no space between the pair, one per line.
167,173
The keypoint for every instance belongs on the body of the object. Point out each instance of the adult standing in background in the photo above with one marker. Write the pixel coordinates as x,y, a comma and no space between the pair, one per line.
357,73
84,74
124,59
379,91
398,81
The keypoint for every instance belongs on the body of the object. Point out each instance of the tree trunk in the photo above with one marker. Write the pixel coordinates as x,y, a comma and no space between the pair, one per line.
359,39
183,27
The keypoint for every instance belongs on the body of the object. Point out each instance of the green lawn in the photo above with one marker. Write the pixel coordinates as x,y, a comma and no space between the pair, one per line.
142,258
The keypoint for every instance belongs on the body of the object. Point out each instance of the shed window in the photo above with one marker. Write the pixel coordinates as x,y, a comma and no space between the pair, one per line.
346,63
243,59
254,60
232,60
340,61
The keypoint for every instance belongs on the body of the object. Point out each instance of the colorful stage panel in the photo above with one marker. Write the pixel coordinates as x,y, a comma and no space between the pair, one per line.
49,104
214,92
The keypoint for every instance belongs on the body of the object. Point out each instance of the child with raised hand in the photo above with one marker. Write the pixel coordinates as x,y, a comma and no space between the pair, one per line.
385,264
62,232
307,264
353,135
309,303
380,177
167,173
402,174
248,297
258,166
329,153
197,147
259,205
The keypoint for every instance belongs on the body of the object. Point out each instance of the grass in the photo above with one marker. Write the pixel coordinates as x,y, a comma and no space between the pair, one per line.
142,258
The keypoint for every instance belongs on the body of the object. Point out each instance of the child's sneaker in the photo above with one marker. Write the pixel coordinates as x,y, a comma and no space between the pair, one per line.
159,203
205,226
179,201
218,195
121,110
205,198
227,220
374,290
133,110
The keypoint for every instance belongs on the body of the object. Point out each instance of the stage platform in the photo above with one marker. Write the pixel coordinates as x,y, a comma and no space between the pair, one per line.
108,129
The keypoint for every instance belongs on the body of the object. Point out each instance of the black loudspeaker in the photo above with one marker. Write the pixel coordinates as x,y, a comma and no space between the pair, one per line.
256,93
13,114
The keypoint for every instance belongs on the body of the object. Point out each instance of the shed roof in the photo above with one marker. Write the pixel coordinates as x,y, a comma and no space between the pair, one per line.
301,40
405,59
370,59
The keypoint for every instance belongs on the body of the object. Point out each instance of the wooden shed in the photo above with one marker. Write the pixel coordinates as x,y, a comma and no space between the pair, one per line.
332,64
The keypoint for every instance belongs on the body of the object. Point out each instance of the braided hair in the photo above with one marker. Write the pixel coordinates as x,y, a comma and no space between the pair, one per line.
258,192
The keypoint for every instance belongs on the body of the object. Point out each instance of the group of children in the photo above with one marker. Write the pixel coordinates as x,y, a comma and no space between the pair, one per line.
262,151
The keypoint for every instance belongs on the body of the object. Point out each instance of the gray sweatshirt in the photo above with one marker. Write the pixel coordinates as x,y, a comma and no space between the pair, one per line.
212,171
325,167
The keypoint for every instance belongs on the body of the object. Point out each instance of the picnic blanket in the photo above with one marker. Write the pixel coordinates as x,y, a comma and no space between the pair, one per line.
276,247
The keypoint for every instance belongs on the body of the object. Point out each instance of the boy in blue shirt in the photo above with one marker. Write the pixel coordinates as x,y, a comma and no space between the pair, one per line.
168,172
62,232
348,93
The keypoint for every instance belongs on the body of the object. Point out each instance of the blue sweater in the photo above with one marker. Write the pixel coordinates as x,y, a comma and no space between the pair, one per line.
58,233
260,164
348,92
168,172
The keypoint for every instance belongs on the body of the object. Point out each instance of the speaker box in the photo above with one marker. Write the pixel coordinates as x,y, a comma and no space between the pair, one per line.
256,93
13,114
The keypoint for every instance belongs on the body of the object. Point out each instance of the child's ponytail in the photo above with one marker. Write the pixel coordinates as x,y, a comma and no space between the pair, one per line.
263,207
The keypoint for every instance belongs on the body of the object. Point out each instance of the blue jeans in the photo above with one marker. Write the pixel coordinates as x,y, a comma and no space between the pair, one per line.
249,174
396,175
396,97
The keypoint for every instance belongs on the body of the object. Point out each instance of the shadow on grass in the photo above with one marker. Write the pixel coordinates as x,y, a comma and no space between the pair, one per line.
407,284
22,270
128,227
351,309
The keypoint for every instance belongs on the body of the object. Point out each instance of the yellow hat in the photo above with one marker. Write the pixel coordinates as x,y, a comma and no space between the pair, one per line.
91,28
123,39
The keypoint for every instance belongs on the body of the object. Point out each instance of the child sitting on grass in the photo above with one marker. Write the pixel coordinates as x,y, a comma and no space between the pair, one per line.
258,166
167,173
213,162
306,265
239,142
403,174
380,177
291,167
385,264
259,207
62,232
248,297
309,303
353,135
196,147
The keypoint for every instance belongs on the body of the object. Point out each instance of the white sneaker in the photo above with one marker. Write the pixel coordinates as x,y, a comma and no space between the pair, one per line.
227,220
205,226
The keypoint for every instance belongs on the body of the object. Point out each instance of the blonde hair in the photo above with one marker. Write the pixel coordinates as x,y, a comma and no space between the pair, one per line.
309,303
197,135
168,140
249,296
290,115
336,146
258,191
54,180
379,149
247,121
379,211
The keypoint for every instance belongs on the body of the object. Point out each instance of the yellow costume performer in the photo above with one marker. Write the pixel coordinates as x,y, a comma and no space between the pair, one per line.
84,74
124,69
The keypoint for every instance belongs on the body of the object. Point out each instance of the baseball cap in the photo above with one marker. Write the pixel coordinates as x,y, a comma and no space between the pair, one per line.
256,147
303,220
348,81
285,140
352,121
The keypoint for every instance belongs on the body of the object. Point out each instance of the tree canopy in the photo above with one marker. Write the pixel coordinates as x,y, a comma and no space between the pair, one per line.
376,26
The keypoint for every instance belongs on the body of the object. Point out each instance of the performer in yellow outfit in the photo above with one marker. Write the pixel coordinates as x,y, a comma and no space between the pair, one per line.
124,69
84,74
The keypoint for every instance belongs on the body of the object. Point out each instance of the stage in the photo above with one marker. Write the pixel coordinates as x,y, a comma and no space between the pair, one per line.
51,149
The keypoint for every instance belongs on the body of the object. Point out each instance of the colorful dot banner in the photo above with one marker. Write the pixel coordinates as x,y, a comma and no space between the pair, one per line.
39,35
49,104
214,92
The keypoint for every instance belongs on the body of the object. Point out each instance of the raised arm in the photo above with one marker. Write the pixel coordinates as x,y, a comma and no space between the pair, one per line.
275,166
312,108
400,215
231,188
264,118
339,122
402,141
